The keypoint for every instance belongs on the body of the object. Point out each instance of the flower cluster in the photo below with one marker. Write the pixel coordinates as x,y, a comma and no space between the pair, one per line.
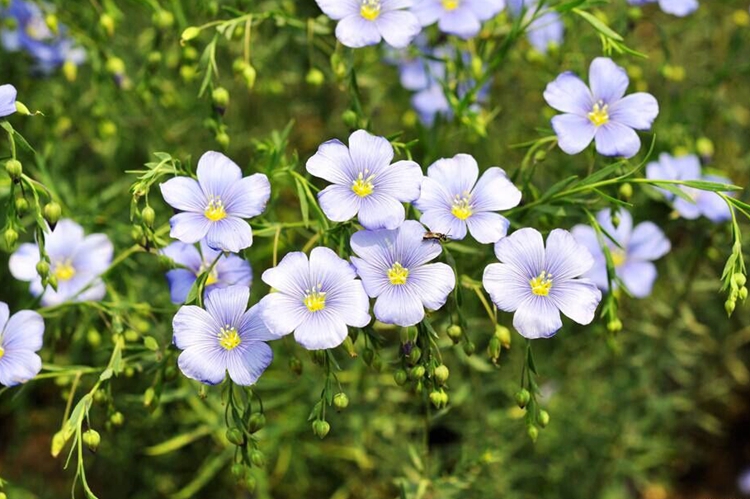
31,33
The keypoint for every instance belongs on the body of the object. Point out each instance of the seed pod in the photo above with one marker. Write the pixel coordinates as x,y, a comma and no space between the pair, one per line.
522,397
92,439
441,374
235,436
14,168
321,428
52,213
256,423
341,401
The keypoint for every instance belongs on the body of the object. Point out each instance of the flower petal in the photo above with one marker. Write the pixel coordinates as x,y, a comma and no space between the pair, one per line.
233,270
637,111
217,174
648,242
523,250
608,80
457,175
189,227
350,301
427,11
184,254
565,258
400,306
24,331
94,254
253,328
614,139
281,313
507,286
339,203
228,305
485,9
19,368
461,22
432,283
401,180
574,133
374,277
62,242
339,9
4,315
229,234
8,95
193,326
495,192
577,299
370,152
638,277
487,227
537,317
332,163
398,27
23,262
247,365
248,197
569,94
291,276
381,211
678,8
321,330
180,281
357,32
183,193
207,365
442,221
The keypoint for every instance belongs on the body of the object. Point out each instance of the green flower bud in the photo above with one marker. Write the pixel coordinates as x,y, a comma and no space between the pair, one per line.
540,156
249,75
315,77
148,215
58,443
11,236
115,66
441,374
533,433
739,279
250,483
543,418
52,212
470,348
92,439
614,326
455,332
239,470
341,401
503,334
148,396
437,399
743,293
295,365
321,428
417,372
705,147
257,458
131,336
522,397
42,268
94,338
189,34
493,349
626,191
22,109
163,19
220,97
414,355
729,306
223,139
256,423
235,436
400,376
3,496
238,66
22,206
107,23
350,118
14,168
117,419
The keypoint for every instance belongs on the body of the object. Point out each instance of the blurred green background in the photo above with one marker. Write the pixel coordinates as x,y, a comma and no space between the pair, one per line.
659,410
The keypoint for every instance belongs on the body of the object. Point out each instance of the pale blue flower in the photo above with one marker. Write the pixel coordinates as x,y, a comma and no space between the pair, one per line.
316,299
366,22
462,18
365,183
547,28
678,8
537,283
20,337
223,337
453,200
214,206
394,268
76,261
7,100
229,270
705,203
601,113
633,255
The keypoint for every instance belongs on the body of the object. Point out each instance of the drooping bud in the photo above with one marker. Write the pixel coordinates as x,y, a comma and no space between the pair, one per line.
341,401
437,399
729,306
92,439
626,191
417,372
522,397
223,139
295,365
42,268
739,279
533,433
256,423
22,206
148,396
414,355
58,443
493,349
742,295
190,33
117,419
705,147
350,118
220,98
315,77
14,168
250,483
11,236
470,348
455,332
614,326
400,376
503,334
115,66
257,458
321,428
22,109
107,23
249,74
235,436
441,374
543,418
52,213
163,19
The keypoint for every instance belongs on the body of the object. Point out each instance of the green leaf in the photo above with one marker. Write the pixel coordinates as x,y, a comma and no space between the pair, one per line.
598,25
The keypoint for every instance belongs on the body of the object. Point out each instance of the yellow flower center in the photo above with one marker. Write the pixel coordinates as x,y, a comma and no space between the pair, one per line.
451,4
362,186
370,9
462,207
315,300
397,274
618,257
215,210
2,352
64,270
229,338
541,284
599,115
213,276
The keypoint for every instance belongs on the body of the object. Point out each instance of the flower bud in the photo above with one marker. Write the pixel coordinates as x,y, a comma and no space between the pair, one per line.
414,355
350,118
249,75
115,66
163,19
470,348
250,483
42,268
256,423
92,439
148,396
94,338
22,206
70,71
235,436
295,365
533,433
348,345
223,139
455,332
626,191
22,109
14,168
417,372
540,156
705,147
3,496
58,443
117,419
614,326
503,334
739,279
11,236
107,23
321,428
522,397
743,293
543,418
341,401
729,306
220,97
189,34
239,470
52,212
437,399
441,374
400,376
257,458
148,215
315,77
493,349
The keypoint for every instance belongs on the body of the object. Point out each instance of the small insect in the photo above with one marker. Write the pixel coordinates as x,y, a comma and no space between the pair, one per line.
436,236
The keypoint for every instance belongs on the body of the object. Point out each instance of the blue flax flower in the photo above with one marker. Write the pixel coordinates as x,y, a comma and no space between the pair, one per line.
224,336
394,268
679,8
537,283
601,113
452,200
632,257
316,299
76,261
546,30
364,181
7,100
214,206
366,22
20,337
705,203
229,270
462,18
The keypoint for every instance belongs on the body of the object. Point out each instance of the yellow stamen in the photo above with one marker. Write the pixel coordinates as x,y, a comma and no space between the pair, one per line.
370,9
541,284
315,300
2,352
462,207
212,278
215,210
64,270
618,257
229,338
600,114
397,274
362,186
451,4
